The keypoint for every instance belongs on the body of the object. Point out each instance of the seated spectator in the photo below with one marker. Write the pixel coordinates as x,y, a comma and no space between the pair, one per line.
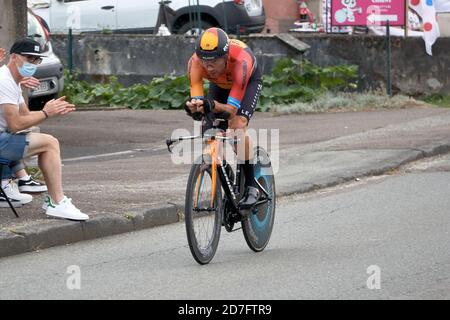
15,117
26,183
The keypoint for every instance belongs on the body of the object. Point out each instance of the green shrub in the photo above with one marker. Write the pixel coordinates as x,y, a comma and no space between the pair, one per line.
291,81
440,100
295,81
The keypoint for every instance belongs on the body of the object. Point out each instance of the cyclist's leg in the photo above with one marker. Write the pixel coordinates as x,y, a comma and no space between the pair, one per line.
240,124
220,95
217,93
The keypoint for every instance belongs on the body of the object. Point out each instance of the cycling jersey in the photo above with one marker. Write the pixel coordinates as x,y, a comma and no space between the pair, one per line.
241,65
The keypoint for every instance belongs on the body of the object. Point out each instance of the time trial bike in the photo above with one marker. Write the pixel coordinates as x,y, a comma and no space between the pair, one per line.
213,192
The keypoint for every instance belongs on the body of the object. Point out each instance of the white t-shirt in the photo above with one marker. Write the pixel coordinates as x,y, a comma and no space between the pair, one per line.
10,93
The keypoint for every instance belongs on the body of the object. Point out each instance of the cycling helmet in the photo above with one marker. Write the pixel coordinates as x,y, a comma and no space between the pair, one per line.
212,44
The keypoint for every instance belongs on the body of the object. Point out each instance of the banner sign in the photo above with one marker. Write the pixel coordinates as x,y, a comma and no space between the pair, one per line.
367,12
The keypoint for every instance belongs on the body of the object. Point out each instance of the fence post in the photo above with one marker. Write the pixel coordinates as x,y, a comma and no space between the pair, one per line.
70,51
224,17
388,49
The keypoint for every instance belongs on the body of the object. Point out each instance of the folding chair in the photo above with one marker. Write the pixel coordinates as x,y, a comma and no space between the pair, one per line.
6,162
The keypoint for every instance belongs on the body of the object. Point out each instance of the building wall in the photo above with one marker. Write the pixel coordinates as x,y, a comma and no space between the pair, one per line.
138,58
280,15
413,71
444,24
13,21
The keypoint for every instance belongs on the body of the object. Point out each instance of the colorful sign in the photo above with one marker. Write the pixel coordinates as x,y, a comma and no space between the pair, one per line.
367,12
426,9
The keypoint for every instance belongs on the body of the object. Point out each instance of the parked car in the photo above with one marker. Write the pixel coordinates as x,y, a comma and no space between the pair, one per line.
141,16
50,71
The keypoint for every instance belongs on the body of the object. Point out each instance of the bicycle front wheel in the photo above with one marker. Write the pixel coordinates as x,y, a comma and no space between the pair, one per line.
203,213
258,227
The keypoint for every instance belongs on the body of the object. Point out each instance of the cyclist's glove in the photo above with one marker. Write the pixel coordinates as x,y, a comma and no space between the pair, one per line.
188,111
208,105
197,116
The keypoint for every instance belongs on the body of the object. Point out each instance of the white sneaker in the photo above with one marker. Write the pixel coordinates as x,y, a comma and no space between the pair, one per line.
65,209
48,201
12,192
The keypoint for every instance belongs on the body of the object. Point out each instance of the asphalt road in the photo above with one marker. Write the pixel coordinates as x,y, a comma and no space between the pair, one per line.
379,238
116,162
93,133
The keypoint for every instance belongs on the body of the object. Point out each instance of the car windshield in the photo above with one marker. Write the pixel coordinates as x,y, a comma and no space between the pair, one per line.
35,31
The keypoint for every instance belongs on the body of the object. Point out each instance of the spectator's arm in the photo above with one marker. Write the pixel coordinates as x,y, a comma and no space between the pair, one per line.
29,82
23,109
2,54
17,122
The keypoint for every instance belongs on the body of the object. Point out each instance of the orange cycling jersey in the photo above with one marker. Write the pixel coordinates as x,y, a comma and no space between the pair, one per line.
240,65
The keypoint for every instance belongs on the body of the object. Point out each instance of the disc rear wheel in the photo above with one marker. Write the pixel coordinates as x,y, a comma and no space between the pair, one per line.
258,227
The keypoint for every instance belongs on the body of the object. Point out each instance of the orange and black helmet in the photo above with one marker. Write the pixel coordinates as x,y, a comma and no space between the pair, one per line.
212,44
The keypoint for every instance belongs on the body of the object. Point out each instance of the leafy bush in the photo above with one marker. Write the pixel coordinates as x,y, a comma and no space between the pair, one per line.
440,100
301,81
291,81
161,93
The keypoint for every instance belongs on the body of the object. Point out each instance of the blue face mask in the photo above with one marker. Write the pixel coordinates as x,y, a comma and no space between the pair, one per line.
28,69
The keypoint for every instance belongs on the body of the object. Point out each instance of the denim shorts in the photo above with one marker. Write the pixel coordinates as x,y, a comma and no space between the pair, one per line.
13,147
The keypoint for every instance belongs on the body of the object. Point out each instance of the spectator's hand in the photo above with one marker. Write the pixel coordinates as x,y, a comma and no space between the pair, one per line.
30,82
58,107
2,54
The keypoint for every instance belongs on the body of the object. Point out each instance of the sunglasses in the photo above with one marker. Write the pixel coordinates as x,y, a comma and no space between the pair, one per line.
33,59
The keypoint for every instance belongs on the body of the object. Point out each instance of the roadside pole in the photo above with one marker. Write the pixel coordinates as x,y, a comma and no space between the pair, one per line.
406,18
199,21
389,61
13,25
70,51
224,16
191,25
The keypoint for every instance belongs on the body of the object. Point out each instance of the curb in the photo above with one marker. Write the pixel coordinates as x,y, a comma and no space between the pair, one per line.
410,156
52,233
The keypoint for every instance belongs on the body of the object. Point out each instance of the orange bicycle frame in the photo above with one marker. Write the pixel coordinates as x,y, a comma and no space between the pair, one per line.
212,149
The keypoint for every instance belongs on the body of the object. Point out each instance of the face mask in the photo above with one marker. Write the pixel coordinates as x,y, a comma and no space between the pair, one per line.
28,69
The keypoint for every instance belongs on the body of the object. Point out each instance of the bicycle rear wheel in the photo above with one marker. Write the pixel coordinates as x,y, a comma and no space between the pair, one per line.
258,227
203,213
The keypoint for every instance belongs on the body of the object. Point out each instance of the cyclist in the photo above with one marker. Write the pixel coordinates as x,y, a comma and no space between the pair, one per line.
235,84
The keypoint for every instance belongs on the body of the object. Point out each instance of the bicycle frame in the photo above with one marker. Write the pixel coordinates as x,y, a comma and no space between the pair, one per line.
204,218
212,149
231,188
